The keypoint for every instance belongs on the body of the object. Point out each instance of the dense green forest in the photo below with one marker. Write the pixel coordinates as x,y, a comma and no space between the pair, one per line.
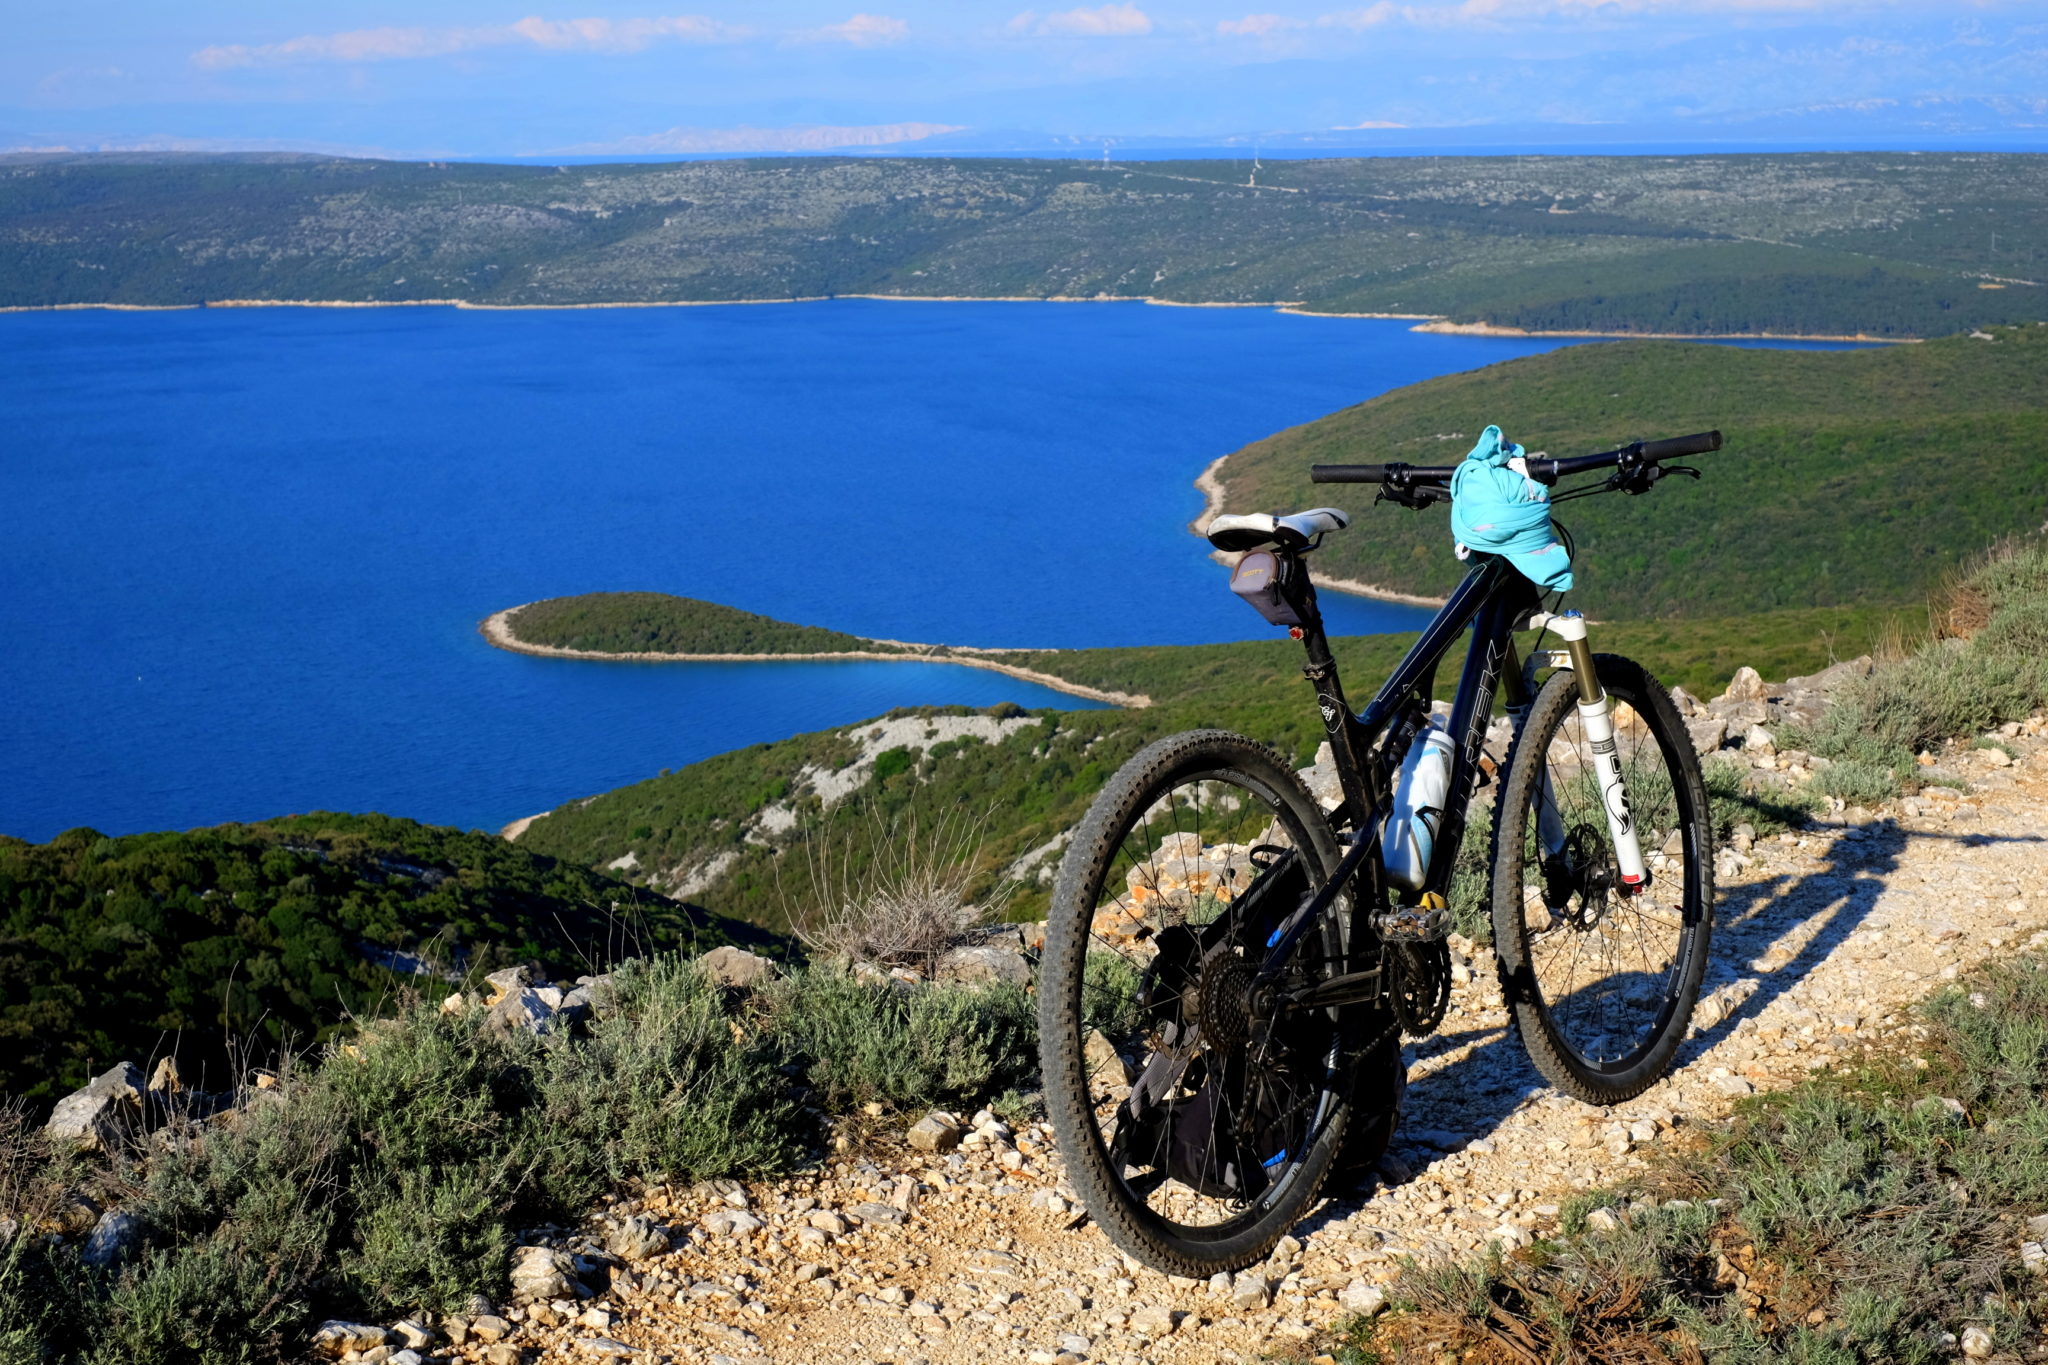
227,944
1882,244
661,623
1849,477
1031,785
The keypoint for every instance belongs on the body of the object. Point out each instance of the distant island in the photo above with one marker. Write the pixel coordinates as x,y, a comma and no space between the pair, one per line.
656,627
1870,245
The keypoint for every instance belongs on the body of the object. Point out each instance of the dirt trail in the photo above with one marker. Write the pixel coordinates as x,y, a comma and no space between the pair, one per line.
1824,941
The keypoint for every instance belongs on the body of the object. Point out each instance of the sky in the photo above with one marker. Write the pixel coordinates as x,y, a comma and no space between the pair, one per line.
602,77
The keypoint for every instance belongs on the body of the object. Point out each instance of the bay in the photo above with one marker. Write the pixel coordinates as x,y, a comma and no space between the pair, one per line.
243,553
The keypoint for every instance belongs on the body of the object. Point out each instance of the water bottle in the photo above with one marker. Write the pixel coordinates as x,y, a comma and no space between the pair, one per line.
1419,791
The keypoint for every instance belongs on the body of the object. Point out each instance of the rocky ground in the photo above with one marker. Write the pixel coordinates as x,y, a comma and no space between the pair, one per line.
923,1251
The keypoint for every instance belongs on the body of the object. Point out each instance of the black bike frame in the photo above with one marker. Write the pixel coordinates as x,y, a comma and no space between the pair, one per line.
1493,600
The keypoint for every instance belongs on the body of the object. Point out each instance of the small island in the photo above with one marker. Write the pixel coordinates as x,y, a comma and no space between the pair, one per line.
658,627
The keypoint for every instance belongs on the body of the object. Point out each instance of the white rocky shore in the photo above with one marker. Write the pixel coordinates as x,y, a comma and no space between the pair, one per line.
954,1239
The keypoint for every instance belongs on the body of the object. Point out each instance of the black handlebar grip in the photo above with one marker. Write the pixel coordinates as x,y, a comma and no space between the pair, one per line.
1347,473
1701,444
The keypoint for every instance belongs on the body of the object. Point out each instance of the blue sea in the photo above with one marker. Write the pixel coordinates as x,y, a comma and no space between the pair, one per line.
244,553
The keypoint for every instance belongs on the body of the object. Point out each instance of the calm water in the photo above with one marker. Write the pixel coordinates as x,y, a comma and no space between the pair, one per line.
243,553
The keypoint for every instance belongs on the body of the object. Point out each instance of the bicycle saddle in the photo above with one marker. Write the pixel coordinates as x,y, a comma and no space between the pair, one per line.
1253,529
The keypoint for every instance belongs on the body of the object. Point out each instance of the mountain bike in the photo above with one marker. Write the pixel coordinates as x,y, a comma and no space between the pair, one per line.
1229,967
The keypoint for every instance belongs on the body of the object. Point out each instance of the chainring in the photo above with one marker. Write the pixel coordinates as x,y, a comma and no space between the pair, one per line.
1420,989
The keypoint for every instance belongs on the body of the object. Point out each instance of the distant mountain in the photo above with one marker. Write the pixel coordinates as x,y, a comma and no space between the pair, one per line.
1879,244
813,138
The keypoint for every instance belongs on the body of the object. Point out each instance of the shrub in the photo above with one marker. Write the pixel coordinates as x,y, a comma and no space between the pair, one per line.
861,1042
395,1175
1856,782
664,1085
1734,797
1954,686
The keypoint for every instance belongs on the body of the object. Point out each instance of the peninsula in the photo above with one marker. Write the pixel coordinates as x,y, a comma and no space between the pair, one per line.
654,627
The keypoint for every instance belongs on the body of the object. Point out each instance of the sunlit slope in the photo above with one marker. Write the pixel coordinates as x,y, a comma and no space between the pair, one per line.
1848,477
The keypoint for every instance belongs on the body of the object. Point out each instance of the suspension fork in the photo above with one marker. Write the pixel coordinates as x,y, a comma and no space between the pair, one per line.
1596,716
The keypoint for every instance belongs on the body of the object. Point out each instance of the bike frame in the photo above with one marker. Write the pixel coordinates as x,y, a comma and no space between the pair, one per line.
1494,600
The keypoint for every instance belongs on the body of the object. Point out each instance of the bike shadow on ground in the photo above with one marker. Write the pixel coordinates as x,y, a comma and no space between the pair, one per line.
1471,1098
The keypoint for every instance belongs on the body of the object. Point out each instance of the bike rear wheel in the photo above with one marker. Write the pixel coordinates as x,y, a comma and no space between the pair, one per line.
1192,1141
1601,984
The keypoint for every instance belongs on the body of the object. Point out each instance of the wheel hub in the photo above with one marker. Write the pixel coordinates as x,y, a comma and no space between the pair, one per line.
1590,874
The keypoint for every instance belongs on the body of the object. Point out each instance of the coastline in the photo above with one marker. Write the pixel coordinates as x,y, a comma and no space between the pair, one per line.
1425,322
1213,492
518,827
1445,327
496,628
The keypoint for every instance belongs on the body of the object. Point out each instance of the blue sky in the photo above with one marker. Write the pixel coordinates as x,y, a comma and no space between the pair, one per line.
472,77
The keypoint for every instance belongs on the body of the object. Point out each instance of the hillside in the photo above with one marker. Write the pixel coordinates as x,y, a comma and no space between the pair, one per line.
723,829
1875,243
1848,478
272,935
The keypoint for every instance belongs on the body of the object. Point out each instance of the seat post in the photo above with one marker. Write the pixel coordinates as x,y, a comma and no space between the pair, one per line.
1339,724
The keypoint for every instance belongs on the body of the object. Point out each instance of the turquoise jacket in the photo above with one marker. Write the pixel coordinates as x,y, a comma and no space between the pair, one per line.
1496,508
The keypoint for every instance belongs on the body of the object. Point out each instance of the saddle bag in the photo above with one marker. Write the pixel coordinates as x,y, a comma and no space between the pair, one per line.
1260,578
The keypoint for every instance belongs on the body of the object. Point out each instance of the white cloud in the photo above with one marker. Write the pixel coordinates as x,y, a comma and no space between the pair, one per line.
400,44
619,35
1104,21
1370,17
1259,25
862,30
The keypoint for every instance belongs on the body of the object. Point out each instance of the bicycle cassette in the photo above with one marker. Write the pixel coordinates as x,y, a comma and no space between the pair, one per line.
1424,923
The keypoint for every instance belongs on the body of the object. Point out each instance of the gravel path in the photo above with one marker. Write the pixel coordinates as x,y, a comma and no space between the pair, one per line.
1824,941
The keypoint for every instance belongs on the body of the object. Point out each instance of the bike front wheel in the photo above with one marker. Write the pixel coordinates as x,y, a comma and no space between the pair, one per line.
1194,1135
1602,980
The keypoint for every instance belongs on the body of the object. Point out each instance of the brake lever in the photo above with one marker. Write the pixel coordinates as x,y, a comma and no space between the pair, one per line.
1637,477
1395,488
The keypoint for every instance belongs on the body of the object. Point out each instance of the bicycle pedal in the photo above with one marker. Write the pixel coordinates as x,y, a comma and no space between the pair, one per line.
1424,923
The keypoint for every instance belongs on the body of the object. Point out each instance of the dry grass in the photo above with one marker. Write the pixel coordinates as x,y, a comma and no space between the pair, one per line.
907,902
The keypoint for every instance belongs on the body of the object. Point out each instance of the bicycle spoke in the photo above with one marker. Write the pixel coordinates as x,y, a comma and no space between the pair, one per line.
1604,958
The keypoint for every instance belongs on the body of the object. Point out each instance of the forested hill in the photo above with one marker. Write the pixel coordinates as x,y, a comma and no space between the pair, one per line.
1882,244
276,934
1848,477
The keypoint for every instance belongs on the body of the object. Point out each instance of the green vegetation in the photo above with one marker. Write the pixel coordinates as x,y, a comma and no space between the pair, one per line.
1848,478
1993,668
660,623
1857,1217
253,938
1037,780
396,1176
1874,243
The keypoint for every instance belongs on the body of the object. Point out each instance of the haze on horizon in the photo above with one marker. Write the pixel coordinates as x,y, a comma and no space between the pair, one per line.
492,78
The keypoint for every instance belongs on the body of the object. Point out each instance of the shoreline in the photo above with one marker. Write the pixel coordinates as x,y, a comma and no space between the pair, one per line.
497,630
511,832
1425,322
1213,493
1445,327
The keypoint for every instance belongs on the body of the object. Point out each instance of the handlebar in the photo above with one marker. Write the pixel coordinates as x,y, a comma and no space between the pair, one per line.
1632,456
